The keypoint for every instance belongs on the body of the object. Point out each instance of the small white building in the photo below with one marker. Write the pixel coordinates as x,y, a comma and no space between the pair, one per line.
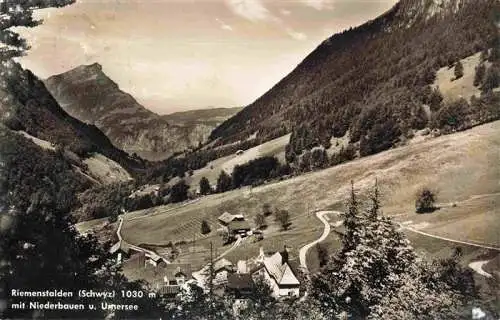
276,271
242,267
222,269
121,251
175,277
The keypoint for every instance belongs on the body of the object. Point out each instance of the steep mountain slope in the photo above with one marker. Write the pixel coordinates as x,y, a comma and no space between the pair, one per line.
28,108
372,82
89,95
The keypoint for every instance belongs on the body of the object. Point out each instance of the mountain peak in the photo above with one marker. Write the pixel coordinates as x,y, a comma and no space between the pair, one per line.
86,73
430,8
94,68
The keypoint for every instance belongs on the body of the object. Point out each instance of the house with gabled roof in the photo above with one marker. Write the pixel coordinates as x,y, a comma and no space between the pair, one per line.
121,250
222,269
225,218
176,274
278,273
239,227
168,279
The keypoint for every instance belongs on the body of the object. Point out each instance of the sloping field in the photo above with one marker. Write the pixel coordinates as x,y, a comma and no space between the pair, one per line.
105,169
211,171
463,87
41,143
475,226
100,167
458,166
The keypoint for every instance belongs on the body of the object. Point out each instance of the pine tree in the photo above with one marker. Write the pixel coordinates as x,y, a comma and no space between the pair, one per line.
224,182
20,14
352,222
205,228
374,196
491,79
373,256
322,252
205,187
425,201
459,70
479,75
179,192
435,99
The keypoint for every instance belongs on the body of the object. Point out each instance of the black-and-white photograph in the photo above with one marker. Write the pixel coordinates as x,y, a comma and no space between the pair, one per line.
250,159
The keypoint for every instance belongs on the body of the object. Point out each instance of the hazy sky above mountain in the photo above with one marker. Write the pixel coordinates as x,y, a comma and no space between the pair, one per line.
175,55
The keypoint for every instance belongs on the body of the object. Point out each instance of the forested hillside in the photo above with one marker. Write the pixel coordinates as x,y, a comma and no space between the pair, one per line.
372,87
374,81
39,247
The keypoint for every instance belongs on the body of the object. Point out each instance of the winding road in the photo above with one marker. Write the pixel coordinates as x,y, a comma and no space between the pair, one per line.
303,251
477,266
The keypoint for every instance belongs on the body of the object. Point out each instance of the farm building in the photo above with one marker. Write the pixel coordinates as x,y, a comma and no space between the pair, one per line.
239,227
154,260
222,269
238,217
225,218
278,273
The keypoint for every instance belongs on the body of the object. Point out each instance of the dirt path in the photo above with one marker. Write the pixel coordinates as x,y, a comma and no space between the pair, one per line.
153,212
477,266
134,247
484,246
303,251
119,230
234,246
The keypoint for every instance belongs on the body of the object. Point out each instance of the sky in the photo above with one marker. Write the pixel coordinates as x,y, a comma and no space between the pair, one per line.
176,55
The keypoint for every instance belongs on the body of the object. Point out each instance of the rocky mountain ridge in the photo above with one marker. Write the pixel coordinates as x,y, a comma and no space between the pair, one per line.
89,95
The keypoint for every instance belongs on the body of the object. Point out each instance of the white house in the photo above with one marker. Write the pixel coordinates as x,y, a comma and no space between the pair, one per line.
276,271
222,269
121,250
175,276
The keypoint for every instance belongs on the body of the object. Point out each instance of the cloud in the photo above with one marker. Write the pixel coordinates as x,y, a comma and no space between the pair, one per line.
318,4
252,10
296,35
285,12
223,25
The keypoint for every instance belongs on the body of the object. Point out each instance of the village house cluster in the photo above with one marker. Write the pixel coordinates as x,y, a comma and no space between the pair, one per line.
169,278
